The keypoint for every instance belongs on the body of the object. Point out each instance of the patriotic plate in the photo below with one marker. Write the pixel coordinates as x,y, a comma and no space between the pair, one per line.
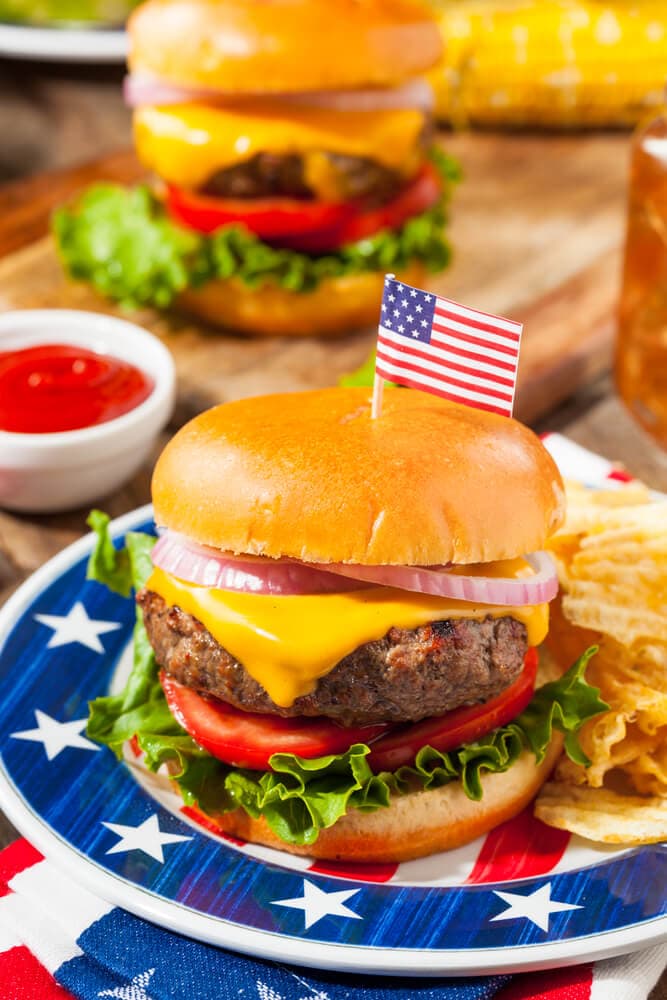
524,897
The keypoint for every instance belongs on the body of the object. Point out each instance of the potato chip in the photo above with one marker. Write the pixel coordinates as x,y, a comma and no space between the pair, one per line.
602,815
611,556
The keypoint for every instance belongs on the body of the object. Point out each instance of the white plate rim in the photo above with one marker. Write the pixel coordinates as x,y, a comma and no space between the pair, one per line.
79,45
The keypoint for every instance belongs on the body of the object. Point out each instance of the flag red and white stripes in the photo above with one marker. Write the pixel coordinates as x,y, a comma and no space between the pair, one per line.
427,342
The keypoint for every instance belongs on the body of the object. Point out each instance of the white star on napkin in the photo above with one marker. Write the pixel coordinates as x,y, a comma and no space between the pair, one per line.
76,626
147,837
316,903
135,990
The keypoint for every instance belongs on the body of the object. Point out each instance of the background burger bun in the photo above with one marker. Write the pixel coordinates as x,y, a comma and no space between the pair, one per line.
278,46
335,307
417,824
311,476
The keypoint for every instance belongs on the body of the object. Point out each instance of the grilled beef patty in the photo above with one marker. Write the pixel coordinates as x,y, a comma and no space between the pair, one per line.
283,175
405,676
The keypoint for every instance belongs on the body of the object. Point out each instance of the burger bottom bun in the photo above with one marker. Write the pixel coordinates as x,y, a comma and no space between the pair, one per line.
336,306
417,824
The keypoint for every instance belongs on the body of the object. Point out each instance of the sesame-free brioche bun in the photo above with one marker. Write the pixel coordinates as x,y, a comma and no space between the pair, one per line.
279,46
311,476
416,824
336,306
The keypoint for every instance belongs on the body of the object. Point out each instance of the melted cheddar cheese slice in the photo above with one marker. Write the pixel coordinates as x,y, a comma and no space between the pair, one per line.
287,643
187,143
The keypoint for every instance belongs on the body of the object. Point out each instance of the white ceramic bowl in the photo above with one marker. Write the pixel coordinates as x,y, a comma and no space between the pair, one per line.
64,470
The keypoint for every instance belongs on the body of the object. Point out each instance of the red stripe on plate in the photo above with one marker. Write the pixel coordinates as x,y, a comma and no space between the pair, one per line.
14,859
479,341
413,383
573,983
201,819
24,978
620,475
520,848
359,872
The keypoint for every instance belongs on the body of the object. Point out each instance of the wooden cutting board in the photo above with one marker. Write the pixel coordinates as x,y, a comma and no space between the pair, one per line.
536,228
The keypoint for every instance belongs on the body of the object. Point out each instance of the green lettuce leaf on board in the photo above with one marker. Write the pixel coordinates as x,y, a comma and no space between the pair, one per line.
122,242
299,797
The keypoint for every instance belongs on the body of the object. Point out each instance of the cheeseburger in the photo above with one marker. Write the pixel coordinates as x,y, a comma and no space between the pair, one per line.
344,613
291,149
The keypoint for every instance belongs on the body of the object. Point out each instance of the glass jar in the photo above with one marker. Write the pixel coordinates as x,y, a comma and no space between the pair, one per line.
641,348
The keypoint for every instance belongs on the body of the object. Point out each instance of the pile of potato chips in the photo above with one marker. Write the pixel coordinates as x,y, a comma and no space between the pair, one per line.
612,563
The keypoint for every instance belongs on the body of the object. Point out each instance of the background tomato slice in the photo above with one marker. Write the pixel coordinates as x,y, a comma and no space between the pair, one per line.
248,739
462,725
308,226
268,218
419,194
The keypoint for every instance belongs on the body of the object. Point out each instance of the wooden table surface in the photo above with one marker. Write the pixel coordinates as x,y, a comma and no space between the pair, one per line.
58,117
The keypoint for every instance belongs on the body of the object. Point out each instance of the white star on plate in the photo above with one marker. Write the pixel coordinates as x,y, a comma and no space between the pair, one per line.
55,736
76,626
396,312
316,903
388,323
135,990
424,322
427,298
392,298
405,303
410,319
536,907
418,308
413,292
147,837
384,308
399,288
401,328
415,333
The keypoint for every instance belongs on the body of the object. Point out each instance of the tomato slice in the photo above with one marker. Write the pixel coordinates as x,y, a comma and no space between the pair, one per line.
248,739
462,725
419,194
268,218
308,226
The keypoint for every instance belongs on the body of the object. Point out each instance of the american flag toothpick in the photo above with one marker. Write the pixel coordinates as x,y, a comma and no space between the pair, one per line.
430,343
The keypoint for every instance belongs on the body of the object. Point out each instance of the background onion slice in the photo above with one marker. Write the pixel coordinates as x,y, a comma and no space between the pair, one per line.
441,582
141,89
208,567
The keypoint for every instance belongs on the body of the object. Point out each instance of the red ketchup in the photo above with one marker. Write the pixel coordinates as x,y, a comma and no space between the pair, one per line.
61,387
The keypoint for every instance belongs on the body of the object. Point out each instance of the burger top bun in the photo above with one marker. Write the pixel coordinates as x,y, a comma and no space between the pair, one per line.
274,46
311,476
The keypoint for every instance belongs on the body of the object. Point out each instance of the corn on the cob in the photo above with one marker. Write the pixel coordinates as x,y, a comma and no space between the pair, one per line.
551,62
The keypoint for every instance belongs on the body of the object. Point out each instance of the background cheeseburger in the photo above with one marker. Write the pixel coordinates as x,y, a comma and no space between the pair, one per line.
344,614
291,144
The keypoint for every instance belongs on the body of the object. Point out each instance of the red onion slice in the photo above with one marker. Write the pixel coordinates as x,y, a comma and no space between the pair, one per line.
140,89
441,582
208,567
